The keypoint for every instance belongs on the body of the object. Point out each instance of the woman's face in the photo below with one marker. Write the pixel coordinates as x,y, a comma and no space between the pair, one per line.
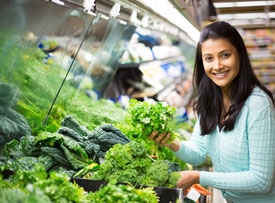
221,61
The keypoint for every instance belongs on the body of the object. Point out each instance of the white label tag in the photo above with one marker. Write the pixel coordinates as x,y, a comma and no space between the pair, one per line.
193,194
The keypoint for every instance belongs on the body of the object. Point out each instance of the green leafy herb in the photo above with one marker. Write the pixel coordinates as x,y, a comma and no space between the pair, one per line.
148,117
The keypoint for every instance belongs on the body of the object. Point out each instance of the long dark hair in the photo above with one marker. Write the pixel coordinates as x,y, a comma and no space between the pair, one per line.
209,99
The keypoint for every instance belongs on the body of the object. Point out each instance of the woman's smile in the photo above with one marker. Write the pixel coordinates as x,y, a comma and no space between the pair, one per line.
221,61
221,75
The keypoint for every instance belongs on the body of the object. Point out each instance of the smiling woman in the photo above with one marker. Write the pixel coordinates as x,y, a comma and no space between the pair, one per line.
221,62
235,125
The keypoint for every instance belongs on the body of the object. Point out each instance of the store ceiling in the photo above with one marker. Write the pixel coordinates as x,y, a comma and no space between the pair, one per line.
244,13
197,13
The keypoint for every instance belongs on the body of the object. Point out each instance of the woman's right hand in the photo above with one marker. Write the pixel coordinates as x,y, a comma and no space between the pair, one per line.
161,140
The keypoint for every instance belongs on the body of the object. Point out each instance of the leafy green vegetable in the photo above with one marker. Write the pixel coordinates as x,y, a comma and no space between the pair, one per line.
16,156
24,176
106,136
32,195
130,163
57,139
76,160
95,142
157,174
161,173
53,187
59,188
12,124
174,177
7,96
113,192
57,155
148,117
133,126
87,170
12,150
74,153
70,123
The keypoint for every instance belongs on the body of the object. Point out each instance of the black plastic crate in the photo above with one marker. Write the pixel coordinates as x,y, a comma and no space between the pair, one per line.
166,195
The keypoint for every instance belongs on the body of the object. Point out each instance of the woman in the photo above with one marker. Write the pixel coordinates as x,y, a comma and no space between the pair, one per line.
235,125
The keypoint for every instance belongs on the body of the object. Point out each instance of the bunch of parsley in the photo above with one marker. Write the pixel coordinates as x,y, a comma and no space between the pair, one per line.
146,117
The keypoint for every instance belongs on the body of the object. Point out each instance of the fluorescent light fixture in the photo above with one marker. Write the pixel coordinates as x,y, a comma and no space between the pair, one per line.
243,4
104,17
168,11
58,2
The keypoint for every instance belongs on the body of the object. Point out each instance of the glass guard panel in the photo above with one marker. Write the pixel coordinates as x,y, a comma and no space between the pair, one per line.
31,31
52,57
101,51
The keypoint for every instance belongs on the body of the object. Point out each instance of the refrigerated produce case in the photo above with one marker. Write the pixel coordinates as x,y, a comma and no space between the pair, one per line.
57,60
51,53
74,49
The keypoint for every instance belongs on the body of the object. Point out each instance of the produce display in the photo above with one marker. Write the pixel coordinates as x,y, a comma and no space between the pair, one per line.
35,185
131,163
142,118
38,159
113,192
42,163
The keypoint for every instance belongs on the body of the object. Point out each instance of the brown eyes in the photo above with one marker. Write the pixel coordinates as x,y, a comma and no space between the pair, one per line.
226,55
208,59
222,56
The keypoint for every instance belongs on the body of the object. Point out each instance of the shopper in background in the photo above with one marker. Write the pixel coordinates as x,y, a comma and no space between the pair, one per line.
235,125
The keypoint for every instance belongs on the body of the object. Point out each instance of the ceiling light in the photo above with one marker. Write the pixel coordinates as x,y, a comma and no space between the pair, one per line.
168,11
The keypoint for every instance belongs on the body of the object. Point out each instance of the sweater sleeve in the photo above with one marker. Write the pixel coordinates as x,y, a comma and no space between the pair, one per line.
192,151
259,178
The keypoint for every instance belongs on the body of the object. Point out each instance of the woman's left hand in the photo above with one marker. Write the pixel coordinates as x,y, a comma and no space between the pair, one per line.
188,178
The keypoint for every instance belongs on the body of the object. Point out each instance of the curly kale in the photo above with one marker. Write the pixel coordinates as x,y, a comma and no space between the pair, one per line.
156,175
130,163
113,192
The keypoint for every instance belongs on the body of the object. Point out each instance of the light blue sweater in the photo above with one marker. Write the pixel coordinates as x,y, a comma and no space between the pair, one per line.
244,158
